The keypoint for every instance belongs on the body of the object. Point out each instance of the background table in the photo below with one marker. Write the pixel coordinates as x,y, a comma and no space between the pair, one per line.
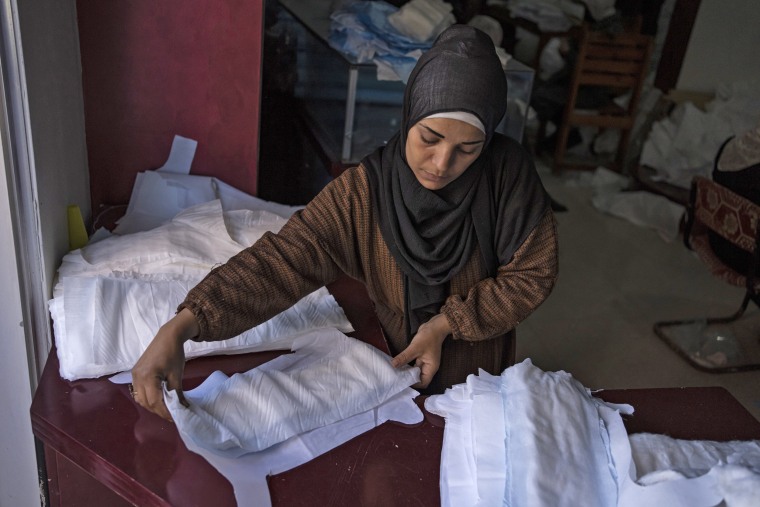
102,449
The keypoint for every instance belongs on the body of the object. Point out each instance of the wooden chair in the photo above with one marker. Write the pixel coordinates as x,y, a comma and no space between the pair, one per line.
615,64
711,344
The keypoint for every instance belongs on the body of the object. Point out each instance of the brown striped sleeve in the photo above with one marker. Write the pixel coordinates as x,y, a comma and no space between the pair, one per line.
311,250
494,306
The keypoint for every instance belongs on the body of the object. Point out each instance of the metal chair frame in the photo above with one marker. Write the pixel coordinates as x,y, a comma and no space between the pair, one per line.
698,222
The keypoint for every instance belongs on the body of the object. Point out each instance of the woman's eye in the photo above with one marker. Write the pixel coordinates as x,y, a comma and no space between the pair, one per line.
427,141
466,152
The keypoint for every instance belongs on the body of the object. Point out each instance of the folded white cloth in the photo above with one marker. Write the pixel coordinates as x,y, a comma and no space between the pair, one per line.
549,437
684,144
555,445
113,295
247,473
422,20
330,377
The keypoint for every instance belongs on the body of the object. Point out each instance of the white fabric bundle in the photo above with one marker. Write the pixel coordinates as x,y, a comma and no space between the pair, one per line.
684,144
544,447
113,295
422,20
330,377
554,444
247,471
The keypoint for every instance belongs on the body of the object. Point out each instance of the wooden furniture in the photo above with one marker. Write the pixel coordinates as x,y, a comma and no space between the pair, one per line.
715,344
100,448
618,65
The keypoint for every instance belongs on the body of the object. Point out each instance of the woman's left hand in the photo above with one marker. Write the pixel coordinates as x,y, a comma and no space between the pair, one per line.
425,349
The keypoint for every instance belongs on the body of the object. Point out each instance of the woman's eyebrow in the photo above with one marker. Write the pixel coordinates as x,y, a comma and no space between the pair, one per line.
444,137
433,131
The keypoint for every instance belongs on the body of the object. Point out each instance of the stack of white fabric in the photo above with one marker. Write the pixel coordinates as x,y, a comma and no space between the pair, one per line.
113,295
685,144
530,437
422,20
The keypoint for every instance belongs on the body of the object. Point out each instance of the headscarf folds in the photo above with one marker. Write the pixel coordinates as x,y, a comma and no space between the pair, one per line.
432,234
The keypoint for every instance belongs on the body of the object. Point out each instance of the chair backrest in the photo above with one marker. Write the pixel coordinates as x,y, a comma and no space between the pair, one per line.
728,214
618,63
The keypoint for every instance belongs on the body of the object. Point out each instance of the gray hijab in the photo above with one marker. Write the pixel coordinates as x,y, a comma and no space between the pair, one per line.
432,234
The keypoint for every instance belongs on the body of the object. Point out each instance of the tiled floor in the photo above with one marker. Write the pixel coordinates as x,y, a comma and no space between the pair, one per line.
616,279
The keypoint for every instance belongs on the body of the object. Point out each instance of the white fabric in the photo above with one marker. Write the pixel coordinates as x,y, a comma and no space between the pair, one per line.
330,377
653,453
422,20
684,144
544,463
558,445
357,387
461,116
640,208
113,295
158,196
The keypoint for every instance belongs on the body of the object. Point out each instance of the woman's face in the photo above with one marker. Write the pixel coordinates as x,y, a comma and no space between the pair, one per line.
439,150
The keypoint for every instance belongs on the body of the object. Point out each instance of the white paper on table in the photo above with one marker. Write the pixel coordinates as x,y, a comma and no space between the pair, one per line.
157,197
181,156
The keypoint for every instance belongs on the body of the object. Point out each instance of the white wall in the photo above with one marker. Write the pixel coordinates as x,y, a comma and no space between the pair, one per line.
724,45
18,467
46,170
50,41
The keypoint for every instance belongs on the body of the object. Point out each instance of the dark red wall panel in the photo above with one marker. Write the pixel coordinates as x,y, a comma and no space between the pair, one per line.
152,69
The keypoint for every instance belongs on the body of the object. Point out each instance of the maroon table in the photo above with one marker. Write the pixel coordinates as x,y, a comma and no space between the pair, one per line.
102,449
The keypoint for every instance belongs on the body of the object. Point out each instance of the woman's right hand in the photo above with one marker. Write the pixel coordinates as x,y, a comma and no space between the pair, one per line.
163,361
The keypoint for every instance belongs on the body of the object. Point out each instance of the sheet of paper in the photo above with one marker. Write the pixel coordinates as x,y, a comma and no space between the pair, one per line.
181,156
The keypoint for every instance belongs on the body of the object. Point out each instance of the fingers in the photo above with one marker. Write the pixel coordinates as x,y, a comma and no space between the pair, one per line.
149,394
404,357
427,372
427,362
162,361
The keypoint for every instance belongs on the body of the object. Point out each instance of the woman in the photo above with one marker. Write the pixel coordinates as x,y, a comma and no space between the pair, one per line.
447,226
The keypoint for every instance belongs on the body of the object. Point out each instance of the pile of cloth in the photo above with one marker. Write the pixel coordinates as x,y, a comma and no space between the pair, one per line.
525,437
529,437
394,38
292,409
686,142
112,295
368,32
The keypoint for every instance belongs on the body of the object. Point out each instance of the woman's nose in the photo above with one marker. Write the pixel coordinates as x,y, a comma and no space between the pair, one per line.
442,159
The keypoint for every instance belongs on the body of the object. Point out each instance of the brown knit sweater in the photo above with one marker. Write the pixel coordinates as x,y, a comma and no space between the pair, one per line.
338,233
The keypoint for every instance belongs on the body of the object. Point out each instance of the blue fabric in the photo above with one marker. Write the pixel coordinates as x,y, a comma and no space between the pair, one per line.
362,31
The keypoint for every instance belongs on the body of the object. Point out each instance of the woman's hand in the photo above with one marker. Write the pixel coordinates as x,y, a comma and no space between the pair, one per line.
425,349
163,360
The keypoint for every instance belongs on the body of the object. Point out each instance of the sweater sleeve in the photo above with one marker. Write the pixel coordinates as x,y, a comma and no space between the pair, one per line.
311,250
496,305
